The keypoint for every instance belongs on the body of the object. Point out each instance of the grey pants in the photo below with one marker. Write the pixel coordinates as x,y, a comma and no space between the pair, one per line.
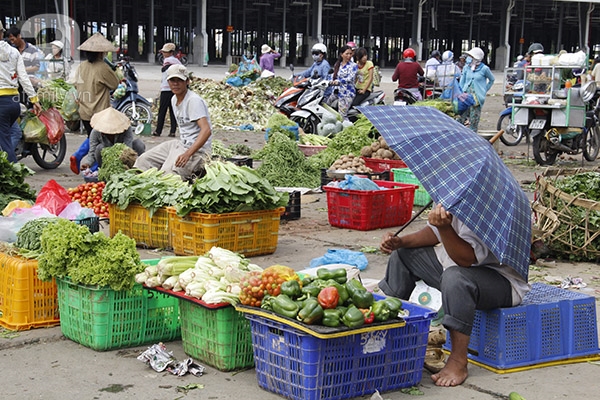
464,290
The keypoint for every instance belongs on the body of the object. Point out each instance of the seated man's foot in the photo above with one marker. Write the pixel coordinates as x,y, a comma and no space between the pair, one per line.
453,374
172,134
74,164
155,133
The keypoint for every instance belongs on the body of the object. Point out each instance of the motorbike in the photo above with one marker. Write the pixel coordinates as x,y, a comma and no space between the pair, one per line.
404,96
179,54
305,104
47,156
126,98
513,134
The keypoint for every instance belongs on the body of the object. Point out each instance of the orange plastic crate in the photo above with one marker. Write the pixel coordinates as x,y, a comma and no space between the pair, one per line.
365,210
135,222
25,301
250,233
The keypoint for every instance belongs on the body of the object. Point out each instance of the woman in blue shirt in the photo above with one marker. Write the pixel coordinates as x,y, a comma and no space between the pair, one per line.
477,79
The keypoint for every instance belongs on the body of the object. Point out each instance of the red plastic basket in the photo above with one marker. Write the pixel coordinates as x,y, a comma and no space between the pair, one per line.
365,210
379,165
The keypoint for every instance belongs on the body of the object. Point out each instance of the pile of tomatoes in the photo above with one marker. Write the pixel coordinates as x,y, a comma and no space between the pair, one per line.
89,195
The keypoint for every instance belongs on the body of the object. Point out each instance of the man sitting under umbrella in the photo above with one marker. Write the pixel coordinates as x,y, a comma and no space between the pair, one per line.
110,126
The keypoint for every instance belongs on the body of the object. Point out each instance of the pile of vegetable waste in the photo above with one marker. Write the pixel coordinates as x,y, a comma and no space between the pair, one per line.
70,250
152,189
214,277
231,107
228,188
284,165
12,182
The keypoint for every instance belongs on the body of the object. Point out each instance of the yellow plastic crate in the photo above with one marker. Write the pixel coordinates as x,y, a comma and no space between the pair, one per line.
25,301
250,233
135,222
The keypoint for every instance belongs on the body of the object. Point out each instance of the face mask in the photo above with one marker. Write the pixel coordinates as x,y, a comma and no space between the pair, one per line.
469,60
316,57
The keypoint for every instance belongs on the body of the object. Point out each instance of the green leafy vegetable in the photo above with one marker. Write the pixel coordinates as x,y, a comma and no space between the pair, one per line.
70,250
12,181
29,236
116,159
152,189
227,188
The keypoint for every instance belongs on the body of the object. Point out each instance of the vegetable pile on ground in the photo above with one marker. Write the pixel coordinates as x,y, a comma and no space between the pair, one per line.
220,150
152,189
228,188
442,105
70,250
116,159
284,165
331,300
280,123
231,107
313,140
214,277
89,195
12,182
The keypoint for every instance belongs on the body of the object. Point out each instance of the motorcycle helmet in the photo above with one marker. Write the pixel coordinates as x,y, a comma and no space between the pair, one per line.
319,48
436,54
535,48
352,45
448,56
409,53
476,53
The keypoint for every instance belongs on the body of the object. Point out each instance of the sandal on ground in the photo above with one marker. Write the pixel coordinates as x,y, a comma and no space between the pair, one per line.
155,134
172,134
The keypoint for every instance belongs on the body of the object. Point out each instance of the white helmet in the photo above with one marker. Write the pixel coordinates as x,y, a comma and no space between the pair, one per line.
319,47
476,53
448,56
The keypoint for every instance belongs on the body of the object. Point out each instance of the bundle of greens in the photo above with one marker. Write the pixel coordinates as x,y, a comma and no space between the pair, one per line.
53,92
116,159
70,250
29,236
228,188
152,189
12,182
283,164
280,123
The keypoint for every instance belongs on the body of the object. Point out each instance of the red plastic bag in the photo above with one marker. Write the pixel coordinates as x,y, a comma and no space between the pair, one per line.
53,197
55,125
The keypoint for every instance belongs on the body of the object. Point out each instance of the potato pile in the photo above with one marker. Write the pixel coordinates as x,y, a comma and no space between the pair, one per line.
351,162
379,150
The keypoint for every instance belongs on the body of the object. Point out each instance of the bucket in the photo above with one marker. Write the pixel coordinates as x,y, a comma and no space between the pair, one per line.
487,135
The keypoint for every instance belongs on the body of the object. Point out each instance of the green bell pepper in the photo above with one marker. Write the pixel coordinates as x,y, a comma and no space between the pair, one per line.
339,274
353,317
291,289
362,298
307,280
311,313
332,317
381,311
285,306
311,290
267,302
394,304
354,285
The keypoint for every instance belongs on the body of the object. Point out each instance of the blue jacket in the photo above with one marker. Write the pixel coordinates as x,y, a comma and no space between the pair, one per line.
322,68
478,82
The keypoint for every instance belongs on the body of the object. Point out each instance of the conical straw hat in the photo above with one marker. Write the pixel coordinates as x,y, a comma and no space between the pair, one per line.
97,43
110,121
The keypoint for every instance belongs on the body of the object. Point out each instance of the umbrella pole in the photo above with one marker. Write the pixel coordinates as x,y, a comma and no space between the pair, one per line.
492,140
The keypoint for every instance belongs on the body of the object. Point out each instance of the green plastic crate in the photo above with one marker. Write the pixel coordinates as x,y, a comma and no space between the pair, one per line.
405,175
104,319
219,337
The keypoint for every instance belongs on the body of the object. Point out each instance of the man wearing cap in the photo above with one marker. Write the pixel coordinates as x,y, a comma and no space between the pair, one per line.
57,67
110,126
267,59
166,94
186,155
12,73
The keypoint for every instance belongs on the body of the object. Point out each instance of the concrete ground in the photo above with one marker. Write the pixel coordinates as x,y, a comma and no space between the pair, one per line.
42,364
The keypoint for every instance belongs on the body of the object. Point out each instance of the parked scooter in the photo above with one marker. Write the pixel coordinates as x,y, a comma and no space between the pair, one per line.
287,101
47,156
127,99
513,134
403,97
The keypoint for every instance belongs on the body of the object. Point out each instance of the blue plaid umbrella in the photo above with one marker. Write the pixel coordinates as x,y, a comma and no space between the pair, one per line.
461,171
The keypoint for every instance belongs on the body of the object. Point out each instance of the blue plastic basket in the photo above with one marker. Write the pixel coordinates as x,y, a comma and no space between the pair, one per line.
550,325
300,366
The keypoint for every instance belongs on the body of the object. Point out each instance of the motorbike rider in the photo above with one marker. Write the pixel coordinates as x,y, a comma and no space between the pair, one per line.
320,65
407,73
